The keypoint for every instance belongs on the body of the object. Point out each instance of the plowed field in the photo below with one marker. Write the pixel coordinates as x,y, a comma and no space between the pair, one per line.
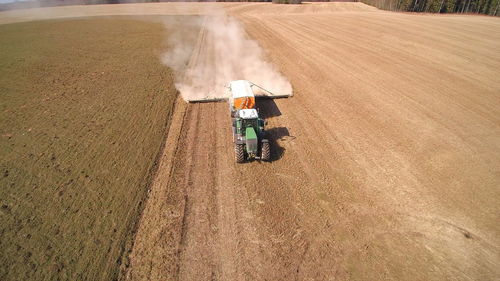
386,162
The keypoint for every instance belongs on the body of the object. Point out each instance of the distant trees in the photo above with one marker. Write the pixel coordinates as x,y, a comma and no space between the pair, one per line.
487,7
223,0
287,1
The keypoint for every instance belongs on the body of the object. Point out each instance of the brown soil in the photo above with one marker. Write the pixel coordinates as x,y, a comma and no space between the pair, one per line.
385,162
83,116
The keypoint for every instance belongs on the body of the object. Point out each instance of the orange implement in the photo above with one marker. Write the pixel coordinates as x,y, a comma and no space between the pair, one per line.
244,103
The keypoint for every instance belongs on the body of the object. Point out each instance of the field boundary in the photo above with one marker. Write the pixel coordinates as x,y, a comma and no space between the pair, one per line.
152,174
166,158
159,188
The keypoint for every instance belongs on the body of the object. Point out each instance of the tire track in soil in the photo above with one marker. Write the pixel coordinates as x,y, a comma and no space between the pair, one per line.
196,247
199,221
219,239
240,248
261,233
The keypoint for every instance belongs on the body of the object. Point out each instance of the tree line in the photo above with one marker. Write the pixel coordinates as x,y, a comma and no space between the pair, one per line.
487,7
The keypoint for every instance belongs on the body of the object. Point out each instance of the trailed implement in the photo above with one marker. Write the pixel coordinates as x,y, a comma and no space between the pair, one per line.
249,135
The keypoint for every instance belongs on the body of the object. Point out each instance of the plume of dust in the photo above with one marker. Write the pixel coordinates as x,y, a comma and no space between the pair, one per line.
205,61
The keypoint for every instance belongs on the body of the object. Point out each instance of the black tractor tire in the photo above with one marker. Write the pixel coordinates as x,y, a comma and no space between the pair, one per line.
266,151
239,153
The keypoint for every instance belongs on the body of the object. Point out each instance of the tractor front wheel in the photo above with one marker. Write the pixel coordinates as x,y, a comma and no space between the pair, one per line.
266,150
239,153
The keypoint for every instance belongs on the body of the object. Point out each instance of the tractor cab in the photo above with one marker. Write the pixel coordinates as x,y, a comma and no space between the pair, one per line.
249,118
248,114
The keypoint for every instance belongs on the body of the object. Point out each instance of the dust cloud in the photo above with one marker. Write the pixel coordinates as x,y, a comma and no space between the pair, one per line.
205,61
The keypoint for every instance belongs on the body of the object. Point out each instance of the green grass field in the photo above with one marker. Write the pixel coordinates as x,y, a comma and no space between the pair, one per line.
84,107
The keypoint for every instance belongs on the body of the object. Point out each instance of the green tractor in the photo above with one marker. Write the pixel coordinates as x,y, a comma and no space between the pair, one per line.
249,136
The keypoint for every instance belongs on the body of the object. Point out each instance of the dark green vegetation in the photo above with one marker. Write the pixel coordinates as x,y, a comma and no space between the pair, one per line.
488,7
84,106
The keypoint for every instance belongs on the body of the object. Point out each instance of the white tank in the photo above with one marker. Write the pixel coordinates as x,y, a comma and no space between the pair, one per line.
241,95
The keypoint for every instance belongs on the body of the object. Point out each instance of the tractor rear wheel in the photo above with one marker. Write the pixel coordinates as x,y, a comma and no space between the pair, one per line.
266,150
239,153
